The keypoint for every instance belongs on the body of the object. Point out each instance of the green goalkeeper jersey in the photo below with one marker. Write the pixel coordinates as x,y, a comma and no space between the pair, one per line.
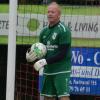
53,37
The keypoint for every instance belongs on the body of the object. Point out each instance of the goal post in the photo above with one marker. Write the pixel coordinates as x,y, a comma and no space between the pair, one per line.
11,50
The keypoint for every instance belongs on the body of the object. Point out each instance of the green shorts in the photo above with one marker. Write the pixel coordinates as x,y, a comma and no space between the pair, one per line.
56,85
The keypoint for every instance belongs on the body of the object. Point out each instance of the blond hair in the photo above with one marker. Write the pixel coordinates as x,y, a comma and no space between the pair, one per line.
55,4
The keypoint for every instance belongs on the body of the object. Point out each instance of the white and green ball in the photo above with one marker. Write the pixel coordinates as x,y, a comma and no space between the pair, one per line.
39,49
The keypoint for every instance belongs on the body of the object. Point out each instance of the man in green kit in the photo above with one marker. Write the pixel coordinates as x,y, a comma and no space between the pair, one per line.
57,62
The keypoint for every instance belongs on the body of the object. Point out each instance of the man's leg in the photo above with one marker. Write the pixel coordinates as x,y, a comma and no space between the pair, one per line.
62,86
49,98
48,89
64,98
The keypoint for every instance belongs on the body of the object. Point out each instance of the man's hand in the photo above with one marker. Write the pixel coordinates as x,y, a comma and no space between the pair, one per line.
30,56
39,64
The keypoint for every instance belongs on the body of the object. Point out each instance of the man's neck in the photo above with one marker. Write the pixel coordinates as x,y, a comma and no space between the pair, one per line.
53,24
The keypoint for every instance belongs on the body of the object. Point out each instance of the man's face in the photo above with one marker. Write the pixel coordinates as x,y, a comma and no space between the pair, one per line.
53,14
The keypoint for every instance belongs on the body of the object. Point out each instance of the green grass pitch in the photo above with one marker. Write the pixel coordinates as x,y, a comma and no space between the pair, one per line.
42,9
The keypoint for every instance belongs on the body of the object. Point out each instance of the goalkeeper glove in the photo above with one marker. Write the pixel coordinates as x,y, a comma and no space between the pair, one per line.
31,56
40,64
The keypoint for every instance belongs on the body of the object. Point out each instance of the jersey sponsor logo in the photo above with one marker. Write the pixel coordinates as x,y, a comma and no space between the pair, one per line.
51,47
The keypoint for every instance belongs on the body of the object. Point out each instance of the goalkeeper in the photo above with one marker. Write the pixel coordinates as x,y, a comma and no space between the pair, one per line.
57,62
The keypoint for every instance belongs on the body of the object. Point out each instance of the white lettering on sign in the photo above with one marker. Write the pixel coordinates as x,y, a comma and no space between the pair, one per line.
95,58
78,58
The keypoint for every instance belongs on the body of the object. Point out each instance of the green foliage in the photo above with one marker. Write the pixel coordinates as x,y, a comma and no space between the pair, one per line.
4,8
66,10
83,42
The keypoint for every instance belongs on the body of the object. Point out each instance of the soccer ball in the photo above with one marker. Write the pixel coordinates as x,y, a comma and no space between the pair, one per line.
39,49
